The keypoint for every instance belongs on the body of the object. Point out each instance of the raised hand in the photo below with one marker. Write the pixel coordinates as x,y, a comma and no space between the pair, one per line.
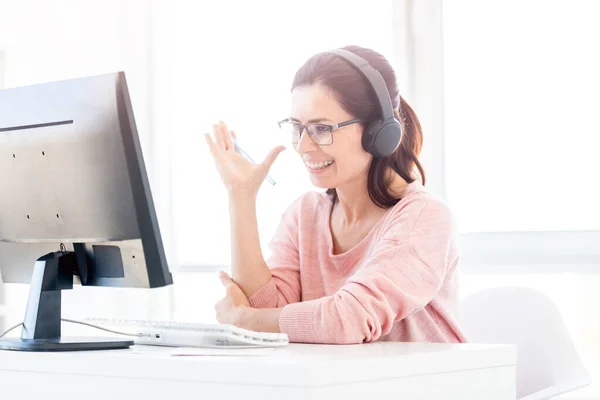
238,174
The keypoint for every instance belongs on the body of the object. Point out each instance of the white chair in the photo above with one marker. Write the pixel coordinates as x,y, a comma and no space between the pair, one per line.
548,364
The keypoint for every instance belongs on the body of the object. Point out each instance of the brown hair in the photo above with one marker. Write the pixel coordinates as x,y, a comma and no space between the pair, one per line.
356,96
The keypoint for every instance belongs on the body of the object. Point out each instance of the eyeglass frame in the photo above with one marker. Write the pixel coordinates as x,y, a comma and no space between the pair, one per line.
331,128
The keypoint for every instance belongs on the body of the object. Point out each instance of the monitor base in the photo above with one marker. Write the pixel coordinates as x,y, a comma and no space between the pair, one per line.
41,331
65,344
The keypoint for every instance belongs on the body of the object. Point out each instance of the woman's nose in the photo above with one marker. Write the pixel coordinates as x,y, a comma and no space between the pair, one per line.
305,143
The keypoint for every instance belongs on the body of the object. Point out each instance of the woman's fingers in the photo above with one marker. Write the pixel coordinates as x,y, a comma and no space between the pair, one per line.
222,137
270,158
218,137
214,150
226,136
225,279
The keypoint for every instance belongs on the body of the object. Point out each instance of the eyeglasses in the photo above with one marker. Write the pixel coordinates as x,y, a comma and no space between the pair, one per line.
320,134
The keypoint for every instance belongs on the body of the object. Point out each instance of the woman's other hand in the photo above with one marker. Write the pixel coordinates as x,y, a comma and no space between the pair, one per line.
230,307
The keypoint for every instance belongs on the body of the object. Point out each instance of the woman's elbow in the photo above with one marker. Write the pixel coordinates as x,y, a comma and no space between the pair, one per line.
350,340
356,335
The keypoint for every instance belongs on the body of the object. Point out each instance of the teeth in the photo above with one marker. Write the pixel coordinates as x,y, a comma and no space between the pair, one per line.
319,165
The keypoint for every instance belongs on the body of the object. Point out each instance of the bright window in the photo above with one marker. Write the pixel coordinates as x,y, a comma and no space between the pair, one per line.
522,133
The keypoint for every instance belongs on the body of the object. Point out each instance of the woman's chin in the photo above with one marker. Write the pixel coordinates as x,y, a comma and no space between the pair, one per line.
320,182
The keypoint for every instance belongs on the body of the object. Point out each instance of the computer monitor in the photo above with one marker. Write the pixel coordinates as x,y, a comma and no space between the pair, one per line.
75,201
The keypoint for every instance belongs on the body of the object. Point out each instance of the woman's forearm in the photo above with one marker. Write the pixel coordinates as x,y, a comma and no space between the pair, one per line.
259,320
248,267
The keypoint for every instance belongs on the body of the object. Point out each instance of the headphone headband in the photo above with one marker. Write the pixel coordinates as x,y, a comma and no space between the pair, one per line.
374,78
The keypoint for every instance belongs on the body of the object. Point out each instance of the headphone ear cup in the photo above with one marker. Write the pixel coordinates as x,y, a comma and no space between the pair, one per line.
382,138
370,134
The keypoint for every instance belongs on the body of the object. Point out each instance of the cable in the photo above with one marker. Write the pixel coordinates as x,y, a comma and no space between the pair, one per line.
80,323
101,328
12,328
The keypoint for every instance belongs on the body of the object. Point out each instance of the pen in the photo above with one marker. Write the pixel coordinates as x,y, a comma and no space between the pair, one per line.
247,157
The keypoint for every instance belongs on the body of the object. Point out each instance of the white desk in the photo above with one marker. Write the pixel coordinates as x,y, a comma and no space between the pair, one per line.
371,371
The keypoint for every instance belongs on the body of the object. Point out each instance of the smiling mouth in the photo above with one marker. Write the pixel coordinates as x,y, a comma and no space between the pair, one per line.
318,165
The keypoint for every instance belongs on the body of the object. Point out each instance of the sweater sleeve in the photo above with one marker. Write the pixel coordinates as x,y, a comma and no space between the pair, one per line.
284,286
402,275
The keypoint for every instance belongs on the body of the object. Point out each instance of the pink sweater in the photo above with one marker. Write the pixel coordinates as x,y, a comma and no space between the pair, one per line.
396,284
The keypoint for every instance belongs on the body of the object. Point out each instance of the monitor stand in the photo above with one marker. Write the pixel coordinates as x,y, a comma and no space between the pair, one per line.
41,328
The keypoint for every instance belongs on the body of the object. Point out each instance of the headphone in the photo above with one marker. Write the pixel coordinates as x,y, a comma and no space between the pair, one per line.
382,136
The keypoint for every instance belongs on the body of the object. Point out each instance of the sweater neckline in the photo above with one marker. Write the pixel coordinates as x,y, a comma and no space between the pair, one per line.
366,239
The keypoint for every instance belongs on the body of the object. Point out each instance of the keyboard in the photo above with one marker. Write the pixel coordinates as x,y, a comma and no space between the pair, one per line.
186,334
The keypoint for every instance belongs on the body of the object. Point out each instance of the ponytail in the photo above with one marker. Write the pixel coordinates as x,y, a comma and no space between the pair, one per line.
404,161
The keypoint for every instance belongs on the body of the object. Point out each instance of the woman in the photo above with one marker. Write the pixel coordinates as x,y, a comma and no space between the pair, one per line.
375,256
